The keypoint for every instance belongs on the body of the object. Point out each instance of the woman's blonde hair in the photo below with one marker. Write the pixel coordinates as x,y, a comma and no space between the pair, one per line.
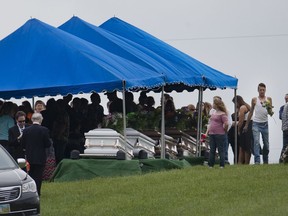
220,105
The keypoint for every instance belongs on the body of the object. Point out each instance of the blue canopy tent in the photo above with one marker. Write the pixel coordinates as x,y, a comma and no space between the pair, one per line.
38,59
176,74
132,51
211,78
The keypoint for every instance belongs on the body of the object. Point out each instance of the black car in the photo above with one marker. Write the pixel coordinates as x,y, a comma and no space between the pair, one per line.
18,192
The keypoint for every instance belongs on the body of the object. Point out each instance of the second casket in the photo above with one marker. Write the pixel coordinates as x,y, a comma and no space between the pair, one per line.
105,143
170,143
186,143
170,146
141,142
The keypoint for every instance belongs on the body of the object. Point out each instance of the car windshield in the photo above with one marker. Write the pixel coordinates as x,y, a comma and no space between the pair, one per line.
6,161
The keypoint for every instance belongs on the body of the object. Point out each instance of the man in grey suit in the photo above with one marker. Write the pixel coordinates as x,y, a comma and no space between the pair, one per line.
35,140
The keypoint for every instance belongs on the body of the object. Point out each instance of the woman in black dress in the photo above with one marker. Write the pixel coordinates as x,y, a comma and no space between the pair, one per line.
245,138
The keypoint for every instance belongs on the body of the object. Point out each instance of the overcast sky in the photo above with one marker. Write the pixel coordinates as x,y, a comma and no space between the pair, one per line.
247,39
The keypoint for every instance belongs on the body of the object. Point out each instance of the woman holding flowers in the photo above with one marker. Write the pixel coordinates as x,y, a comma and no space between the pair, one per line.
261,107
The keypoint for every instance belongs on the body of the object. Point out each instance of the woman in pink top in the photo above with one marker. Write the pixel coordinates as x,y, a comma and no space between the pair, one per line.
217,132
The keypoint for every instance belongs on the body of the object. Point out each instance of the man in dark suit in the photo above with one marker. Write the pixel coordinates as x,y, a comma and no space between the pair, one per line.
35,140
15,135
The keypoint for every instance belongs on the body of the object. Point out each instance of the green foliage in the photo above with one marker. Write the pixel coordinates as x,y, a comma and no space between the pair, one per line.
198,190
114,121
136,120
185,120
188,120
144,120
152,121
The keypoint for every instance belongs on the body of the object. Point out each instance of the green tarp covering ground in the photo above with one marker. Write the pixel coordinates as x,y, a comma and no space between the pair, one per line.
152,165
70,170
84,169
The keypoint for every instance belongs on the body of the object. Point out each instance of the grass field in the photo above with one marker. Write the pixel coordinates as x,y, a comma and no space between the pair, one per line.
198,190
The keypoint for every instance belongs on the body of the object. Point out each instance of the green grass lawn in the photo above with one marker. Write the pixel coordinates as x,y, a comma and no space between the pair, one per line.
197,190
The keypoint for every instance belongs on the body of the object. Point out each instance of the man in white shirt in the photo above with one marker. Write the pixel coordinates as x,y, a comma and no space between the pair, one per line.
259,108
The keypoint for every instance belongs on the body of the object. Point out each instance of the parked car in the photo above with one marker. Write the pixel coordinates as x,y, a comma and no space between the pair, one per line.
18,192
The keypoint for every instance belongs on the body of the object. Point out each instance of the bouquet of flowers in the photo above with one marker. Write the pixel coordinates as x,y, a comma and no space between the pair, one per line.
267,104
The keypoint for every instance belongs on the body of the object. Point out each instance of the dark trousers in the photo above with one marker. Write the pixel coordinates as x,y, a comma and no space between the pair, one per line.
60,150
285,142
217,141
36,172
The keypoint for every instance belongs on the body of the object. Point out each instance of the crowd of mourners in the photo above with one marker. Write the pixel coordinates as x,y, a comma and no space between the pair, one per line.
51,131
68,119
66,123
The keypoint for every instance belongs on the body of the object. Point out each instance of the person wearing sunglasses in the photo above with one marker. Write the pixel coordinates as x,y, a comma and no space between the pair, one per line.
15,135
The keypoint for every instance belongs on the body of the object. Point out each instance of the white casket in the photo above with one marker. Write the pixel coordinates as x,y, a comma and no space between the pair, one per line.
170,146
141,142
105,143
186,143
170,143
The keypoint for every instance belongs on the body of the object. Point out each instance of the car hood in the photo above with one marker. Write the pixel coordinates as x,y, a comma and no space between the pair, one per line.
12,177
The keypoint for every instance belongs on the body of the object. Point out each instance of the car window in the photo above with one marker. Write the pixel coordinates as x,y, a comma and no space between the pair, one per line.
6,162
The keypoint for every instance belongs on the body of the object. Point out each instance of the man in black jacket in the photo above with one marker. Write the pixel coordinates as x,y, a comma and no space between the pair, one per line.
35,140
115,104
15,135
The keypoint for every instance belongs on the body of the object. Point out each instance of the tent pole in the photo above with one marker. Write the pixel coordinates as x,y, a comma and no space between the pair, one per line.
199,122
33,103
124,119
162,125
236,131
